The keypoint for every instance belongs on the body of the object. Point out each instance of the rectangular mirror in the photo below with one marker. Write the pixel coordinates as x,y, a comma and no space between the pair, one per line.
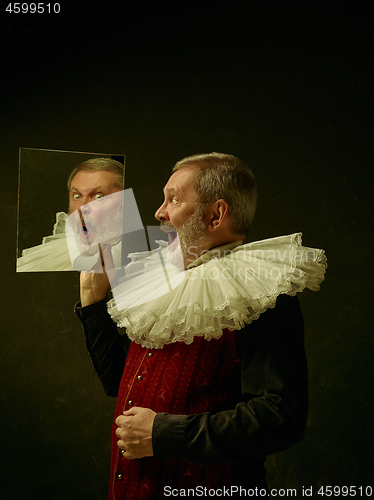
43,206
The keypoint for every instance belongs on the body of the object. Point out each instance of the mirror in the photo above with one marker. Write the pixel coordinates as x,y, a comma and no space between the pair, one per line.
43,206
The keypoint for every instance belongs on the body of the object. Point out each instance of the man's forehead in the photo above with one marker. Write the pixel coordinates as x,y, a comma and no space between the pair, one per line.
180,181
93,178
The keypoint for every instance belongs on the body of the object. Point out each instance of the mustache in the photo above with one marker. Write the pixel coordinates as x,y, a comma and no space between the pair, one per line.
165,224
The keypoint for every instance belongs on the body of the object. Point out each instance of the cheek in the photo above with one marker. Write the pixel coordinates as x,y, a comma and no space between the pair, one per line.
179,219
71,207
105,211
174,217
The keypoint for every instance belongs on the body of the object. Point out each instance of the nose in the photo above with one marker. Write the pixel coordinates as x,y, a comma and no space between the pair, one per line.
161,213
80,204
85,208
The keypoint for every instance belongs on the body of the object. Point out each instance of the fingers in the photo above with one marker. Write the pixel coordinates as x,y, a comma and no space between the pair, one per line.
126,442
132,412
128,413
123,430
121,421
93,287
94,284
135,432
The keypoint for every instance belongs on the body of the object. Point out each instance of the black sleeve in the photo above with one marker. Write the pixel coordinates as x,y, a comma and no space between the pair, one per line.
107,348
273,414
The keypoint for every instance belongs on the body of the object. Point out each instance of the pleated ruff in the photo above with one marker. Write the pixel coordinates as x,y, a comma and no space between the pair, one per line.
51,255
223,292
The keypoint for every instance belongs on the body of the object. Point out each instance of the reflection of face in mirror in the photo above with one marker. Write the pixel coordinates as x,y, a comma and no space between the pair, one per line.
90,185
93,179
95,208
97,222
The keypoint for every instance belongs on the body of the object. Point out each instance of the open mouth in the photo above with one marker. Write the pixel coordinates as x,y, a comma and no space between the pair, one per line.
171,232
172,235
84,231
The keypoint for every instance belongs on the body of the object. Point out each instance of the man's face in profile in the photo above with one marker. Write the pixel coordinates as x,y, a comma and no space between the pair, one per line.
95,209
182,213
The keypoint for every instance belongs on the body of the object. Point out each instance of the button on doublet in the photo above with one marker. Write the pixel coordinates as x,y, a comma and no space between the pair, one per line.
119,477
131,402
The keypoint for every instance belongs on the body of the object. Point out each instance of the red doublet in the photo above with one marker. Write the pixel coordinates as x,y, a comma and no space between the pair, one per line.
178,379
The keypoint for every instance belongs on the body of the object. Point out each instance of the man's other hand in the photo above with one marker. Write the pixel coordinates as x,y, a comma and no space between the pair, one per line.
135,432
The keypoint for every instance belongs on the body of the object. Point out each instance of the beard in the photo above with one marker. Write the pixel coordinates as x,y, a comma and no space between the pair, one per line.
191,235
108,233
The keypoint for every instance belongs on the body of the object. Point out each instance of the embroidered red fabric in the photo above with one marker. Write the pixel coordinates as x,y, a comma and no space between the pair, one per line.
178,379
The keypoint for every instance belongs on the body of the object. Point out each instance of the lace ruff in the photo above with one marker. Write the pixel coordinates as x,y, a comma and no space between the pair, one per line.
225,292
51,255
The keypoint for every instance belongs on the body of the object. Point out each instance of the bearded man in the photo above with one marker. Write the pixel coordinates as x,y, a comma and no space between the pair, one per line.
215,378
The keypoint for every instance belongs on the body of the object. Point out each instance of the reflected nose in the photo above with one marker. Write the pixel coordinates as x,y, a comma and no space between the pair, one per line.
85,208
80,205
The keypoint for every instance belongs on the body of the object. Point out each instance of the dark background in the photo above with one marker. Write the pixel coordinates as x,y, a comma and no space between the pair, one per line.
284,85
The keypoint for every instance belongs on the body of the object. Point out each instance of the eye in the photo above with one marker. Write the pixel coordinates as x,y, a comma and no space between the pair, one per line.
98,196
75,196
174,200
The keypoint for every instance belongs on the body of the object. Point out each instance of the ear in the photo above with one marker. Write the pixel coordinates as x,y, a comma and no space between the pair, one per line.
217,214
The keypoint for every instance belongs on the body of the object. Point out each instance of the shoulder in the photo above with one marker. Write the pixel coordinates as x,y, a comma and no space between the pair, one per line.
286,311
284,321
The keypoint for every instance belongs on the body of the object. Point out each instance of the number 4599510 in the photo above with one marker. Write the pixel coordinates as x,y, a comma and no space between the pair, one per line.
345,491
33,8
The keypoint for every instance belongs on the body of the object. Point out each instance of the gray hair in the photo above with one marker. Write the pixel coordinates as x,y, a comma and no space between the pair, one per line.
222,176
106,164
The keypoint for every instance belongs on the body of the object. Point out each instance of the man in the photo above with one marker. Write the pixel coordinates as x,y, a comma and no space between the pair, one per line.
194,413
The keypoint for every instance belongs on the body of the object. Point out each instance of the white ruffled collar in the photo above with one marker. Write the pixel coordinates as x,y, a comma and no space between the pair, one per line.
216,252
223,289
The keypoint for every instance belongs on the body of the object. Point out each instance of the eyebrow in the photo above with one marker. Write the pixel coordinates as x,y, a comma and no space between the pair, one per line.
99,188
171,191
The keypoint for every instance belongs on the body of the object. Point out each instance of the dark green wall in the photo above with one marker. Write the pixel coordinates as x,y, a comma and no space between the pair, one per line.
284,85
